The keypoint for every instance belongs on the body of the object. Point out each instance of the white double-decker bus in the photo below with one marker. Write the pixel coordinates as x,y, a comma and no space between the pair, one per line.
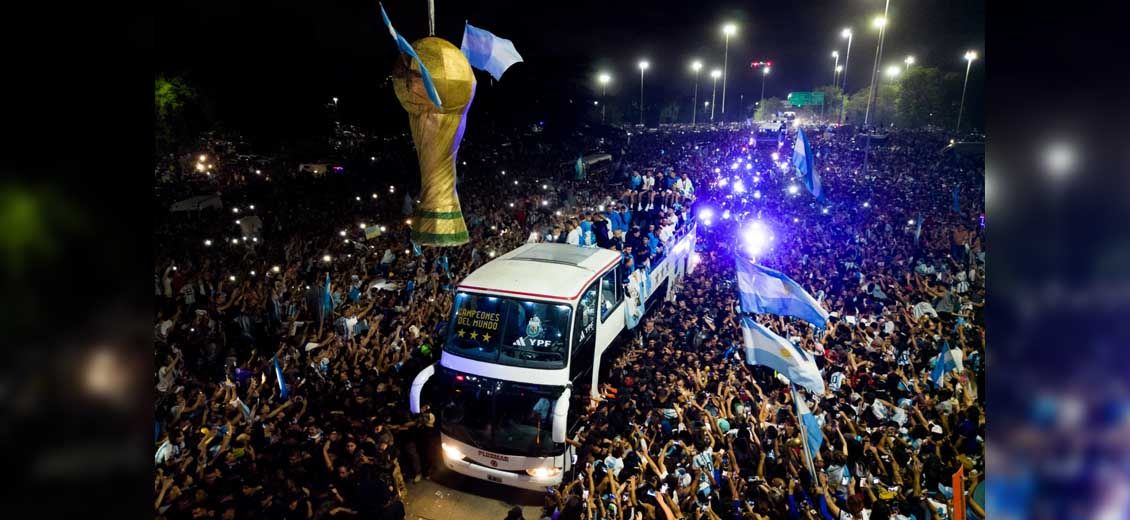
526,335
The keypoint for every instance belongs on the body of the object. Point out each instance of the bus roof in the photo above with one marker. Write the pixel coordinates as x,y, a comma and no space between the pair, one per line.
542,271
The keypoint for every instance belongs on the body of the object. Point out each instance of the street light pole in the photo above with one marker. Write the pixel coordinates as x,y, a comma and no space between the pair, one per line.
696,66
604,78
764,73
836,67
714,74
643,66
969,57
846,33
881,24
908,61
728,30
603,104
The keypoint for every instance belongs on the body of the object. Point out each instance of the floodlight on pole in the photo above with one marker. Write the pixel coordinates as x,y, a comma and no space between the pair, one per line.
908,61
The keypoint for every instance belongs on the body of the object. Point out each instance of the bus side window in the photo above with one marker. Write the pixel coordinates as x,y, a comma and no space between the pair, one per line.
610,294
584,335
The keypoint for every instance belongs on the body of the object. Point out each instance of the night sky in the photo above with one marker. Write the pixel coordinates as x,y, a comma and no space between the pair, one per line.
270,66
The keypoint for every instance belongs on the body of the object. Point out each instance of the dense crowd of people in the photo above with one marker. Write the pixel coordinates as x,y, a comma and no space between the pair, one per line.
285,356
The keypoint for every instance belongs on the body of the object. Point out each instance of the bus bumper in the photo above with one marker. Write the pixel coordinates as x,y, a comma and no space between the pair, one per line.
507,478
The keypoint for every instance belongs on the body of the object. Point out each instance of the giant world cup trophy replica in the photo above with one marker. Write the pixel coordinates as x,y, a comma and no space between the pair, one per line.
436,132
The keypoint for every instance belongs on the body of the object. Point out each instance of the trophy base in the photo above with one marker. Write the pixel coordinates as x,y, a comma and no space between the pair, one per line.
439,228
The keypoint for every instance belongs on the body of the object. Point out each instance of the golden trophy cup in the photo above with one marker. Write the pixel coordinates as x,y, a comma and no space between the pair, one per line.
438,218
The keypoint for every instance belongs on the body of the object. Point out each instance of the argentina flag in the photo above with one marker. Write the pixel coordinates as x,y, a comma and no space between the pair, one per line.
811,434
488,52
949,360
406,48
802,161
763,347
764,291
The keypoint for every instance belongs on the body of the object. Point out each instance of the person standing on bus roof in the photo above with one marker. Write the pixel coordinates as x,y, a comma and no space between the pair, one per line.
574,237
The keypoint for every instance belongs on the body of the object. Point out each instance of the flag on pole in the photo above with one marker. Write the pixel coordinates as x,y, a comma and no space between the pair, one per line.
763,347
488,52
802,161
406,48
949,360
579,168
810,433
283,392
764,291
956,203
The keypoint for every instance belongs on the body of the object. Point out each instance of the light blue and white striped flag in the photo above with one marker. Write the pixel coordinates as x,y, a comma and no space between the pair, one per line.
949,360
764,291
406,48
488,52
763,347
802,161
810,430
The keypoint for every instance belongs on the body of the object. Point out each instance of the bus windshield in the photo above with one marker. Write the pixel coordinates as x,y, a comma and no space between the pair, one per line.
509,332
499,416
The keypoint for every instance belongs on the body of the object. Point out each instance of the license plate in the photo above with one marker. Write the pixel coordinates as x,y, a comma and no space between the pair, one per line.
493,478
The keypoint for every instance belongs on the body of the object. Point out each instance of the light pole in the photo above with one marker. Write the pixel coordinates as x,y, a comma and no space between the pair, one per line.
741,104
764,73
836,67
696,66
603,79
643,66
714,74
908,61
846,33
881,24
728,30
969,57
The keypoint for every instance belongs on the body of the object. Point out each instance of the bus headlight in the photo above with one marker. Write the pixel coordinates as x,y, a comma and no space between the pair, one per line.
452,452
543,472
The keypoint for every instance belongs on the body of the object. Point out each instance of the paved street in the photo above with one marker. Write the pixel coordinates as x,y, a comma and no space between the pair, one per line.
450,496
